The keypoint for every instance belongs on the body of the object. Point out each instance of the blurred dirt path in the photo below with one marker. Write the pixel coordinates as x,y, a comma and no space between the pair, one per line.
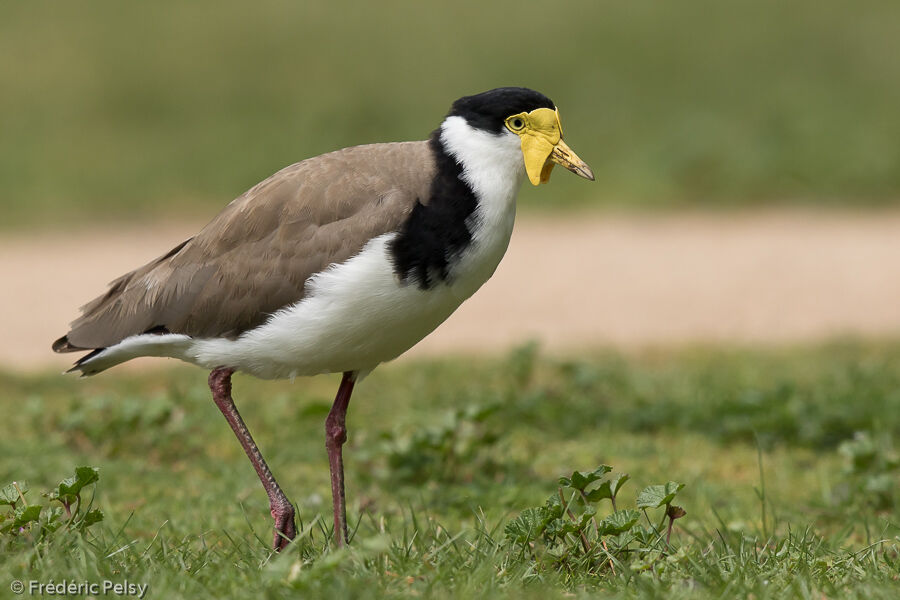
630,282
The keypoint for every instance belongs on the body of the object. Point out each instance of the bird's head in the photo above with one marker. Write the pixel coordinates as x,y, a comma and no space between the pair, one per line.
529,118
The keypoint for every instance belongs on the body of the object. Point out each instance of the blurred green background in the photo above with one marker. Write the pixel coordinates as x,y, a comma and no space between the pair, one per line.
116,110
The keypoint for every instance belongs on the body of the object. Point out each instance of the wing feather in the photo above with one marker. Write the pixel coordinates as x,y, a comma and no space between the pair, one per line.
257,254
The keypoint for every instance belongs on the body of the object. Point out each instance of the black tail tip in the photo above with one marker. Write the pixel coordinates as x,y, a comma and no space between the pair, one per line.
63,345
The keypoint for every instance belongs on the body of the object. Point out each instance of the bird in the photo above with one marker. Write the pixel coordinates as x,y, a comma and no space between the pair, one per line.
335,264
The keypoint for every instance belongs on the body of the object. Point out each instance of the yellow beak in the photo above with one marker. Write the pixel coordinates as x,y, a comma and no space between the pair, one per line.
563,155
542,146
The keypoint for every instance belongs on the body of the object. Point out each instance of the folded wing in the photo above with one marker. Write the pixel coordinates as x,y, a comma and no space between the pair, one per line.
256,256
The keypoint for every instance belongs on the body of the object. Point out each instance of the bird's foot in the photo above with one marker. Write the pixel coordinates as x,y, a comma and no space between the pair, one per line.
285,529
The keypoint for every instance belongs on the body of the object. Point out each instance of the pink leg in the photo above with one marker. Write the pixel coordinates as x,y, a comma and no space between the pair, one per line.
280,506
335,436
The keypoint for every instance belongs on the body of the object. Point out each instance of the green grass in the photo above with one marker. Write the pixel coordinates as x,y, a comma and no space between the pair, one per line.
432,481
120,111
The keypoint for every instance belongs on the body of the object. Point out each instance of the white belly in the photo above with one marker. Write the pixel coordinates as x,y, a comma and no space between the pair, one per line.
355,315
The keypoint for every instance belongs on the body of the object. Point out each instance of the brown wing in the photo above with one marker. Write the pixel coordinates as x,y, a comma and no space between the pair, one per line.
257,254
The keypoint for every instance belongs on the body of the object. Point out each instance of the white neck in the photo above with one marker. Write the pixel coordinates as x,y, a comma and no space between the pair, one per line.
494,168
492,163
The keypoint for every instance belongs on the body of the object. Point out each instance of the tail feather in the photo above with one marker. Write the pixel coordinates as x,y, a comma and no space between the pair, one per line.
146,344
63,345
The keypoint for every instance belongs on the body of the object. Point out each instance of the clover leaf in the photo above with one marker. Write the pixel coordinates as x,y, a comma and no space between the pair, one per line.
654,496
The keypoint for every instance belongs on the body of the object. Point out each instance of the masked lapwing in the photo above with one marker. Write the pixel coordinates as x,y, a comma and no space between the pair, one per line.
335,264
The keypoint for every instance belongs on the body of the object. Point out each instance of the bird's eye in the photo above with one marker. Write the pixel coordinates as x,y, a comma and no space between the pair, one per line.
515,124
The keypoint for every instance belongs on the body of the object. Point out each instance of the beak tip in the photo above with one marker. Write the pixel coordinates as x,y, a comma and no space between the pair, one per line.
584,171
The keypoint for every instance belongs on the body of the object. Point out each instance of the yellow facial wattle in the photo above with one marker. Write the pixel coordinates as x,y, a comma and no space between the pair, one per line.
542,146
